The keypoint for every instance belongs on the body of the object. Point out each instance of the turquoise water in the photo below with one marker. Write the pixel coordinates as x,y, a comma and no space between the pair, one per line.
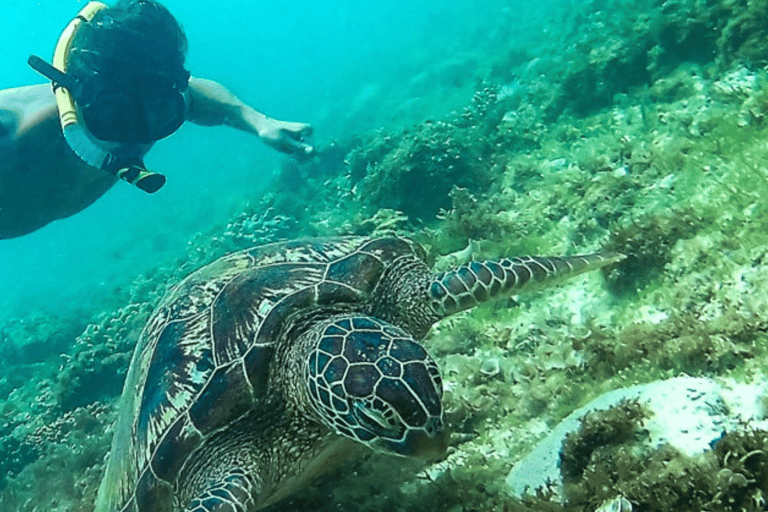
487,129
303,61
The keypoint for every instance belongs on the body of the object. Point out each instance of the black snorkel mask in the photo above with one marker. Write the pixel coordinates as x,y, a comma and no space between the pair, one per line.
141,110
108,116
150,108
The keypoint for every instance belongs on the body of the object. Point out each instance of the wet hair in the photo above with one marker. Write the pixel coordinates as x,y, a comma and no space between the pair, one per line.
130,40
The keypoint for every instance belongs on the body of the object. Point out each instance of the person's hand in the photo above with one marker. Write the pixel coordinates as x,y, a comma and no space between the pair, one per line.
287,137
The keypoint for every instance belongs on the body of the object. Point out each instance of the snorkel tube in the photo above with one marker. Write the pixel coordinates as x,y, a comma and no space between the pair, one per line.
125,167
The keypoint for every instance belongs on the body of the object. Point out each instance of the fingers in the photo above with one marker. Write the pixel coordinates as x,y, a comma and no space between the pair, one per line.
298,130
303,147
306,131
293,143
290,138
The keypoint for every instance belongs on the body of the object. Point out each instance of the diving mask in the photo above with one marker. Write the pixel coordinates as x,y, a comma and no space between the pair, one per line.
152,110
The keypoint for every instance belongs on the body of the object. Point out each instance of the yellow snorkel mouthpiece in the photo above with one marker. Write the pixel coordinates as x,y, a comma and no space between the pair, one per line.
78,138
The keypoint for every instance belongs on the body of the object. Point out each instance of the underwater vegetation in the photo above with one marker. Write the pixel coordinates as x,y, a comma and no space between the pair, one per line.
602,463
638,127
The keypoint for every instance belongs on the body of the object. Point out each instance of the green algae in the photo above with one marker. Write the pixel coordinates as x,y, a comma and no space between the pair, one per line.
632,132
617,425
731,477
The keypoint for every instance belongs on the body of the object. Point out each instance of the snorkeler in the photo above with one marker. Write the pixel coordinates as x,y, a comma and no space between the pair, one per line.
119,85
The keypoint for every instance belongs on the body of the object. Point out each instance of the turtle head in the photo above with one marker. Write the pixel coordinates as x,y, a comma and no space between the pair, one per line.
371,382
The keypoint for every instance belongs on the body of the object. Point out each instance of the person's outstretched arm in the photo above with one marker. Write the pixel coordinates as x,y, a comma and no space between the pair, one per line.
212,104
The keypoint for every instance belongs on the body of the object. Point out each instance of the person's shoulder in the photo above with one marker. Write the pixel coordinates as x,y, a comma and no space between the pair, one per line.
28,94
24,107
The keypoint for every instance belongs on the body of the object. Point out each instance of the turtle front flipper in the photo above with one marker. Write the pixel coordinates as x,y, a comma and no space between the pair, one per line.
233,493
480,281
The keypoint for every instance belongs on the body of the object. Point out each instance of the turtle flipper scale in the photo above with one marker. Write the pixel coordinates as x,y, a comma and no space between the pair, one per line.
233,493
479,281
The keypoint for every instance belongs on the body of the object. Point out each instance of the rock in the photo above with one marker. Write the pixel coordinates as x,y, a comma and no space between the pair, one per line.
690,414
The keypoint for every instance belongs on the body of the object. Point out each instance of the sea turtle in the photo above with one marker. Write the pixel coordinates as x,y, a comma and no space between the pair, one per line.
260,369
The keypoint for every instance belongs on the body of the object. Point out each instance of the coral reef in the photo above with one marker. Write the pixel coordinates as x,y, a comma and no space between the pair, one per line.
636,127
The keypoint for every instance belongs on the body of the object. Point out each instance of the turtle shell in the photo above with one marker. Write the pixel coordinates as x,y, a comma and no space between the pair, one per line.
203,358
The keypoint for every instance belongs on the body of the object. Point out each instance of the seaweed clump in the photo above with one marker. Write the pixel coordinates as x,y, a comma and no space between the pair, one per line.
603,462
648,246
414,170
417,174
616,425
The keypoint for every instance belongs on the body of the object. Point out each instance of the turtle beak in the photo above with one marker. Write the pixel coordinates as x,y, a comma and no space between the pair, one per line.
417,443
429,448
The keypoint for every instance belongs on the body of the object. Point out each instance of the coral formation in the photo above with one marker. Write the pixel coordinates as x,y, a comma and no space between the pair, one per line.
637,127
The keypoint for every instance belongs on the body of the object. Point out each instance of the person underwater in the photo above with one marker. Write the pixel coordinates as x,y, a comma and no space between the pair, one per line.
119,86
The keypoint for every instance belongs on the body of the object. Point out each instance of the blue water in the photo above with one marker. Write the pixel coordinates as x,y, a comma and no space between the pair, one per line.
300,61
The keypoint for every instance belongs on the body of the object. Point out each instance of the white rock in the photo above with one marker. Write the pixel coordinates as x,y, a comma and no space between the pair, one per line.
688,413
